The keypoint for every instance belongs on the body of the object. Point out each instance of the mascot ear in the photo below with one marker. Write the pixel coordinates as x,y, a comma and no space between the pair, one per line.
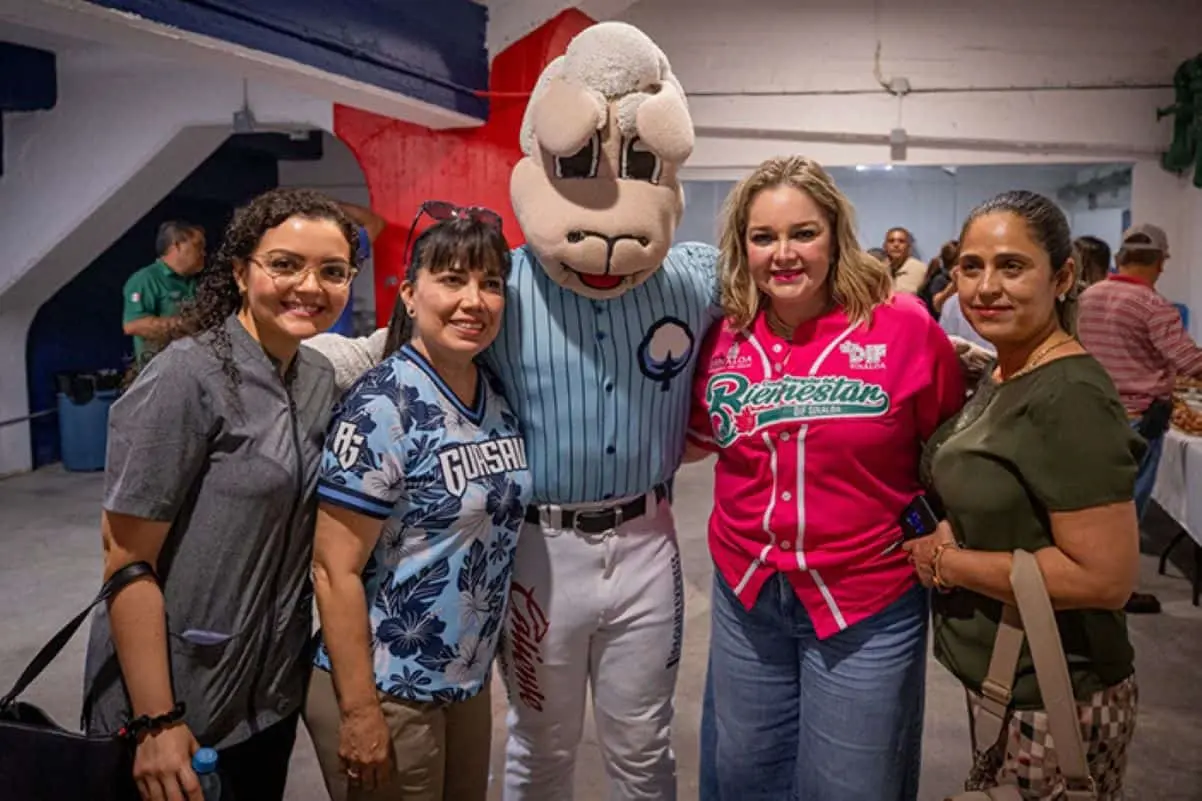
664,124
566,116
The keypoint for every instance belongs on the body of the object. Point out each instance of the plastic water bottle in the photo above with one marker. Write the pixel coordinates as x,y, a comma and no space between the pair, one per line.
204,765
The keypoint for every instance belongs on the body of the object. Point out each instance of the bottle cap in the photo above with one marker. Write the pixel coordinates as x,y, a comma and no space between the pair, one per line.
204,761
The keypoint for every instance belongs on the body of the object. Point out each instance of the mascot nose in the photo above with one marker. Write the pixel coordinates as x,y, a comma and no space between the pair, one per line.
577,236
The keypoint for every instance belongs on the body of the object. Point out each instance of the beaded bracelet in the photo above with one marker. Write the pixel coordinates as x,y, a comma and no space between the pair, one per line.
136,727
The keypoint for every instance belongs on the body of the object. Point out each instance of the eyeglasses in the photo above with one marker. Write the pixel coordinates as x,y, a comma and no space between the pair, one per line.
441,210
292,269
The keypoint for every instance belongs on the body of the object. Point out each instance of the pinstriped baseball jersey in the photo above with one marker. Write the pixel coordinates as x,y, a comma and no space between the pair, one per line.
602,387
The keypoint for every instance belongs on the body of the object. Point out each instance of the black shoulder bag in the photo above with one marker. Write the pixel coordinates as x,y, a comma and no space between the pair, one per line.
42,761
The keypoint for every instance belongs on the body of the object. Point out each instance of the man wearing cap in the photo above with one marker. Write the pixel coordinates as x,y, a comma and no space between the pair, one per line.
1139,338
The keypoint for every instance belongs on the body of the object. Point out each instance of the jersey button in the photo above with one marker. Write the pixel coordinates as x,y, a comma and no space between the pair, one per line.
776,348
778,367
600,336
784,436
785,545
786,496
598,308
609,386
610,449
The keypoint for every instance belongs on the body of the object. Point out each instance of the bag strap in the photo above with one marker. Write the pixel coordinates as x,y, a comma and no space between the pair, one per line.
1034,621
1051,671
117,582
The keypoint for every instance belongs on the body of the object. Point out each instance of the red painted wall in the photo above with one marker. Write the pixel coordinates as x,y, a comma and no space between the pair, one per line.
406,164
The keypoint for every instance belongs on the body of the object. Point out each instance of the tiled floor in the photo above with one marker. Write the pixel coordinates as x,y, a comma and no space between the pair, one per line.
51,565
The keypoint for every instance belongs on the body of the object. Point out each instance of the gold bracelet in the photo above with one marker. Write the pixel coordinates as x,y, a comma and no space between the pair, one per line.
937,579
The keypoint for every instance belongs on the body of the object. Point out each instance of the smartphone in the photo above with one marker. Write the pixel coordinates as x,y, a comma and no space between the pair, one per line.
918,519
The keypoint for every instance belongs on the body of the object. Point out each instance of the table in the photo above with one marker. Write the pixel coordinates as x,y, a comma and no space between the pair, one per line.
1178,490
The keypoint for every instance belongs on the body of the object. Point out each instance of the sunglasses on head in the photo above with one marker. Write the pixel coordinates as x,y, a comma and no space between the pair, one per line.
441,210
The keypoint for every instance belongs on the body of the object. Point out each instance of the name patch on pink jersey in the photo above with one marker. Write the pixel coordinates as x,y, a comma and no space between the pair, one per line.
739,407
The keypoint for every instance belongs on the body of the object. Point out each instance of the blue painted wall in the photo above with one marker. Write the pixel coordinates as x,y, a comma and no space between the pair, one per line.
431,51
28,82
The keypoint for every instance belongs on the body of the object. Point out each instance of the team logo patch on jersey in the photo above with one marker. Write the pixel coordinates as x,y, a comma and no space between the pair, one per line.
732,360
665,350
738,407
461,464
864,357
347,445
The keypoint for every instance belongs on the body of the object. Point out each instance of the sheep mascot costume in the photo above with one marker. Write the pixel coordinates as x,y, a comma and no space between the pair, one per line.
603,321
597,351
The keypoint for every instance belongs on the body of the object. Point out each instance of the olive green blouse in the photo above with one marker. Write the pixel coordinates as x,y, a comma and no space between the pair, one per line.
1055,439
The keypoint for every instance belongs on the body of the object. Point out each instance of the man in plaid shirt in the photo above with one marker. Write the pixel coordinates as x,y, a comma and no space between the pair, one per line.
1138,336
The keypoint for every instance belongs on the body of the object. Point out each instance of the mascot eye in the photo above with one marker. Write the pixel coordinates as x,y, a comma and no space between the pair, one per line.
639,163
581,164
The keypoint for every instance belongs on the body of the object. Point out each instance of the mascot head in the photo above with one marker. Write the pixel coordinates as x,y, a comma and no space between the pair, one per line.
604,135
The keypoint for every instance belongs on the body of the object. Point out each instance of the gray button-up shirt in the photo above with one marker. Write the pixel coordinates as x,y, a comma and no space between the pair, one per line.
234,470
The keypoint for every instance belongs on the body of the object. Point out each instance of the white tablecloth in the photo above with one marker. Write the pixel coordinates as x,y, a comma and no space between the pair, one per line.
1180,471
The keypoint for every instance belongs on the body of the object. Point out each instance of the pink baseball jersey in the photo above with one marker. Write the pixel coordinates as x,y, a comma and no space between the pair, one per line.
818,443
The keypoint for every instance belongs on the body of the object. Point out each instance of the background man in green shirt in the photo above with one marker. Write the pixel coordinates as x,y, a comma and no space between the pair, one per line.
154,293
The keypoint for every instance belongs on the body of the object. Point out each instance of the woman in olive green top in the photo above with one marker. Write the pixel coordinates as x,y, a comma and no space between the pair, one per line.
1043,459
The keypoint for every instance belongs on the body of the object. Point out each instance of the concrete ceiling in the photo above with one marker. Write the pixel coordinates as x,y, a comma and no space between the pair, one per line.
43,40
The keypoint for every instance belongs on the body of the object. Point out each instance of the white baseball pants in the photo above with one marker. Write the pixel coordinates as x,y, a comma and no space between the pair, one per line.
604,612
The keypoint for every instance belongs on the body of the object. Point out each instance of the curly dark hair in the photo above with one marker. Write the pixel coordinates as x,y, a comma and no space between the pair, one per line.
217,294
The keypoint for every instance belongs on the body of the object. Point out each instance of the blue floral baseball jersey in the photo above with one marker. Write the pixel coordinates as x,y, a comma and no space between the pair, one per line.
451,482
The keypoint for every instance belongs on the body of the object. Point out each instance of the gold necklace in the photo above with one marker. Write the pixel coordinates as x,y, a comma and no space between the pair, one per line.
1038,358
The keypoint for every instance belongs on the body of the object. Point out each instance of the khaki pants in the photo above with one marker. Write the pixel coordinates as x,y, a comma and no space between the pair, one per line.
441,752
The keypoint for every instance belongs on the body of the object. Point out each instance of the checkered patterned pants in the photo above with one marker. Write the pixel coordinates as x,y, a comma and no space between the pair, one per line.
1025,755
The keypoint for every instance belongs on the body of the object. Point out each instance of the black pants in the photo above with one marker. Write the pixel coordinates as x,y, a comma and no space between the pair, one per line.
257,769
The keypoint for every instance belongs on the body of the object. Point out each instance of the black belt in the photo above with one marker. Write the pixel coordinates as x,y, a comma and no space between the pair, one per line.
594,521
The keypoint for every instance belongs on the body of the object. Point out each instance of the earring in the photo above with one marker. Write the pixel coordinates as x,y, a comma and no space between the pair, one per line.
409,311
1062,296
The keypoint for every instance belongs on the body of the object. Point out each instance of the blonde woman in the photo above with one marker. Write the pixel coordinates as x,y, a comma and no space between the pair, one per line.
816,393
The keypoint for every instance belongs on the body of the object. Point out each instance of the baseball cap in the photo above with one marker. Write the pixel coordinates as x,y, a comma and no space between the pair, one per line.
1157,242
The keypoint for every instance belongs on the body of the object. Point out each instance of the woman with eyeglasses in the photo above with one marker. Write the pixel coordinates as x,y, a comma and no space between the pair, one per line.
212,464
422,489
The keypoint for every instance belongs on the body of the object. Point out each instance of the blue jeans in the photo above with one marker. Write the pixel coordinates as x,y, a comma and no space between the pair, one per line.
787,715
1145,479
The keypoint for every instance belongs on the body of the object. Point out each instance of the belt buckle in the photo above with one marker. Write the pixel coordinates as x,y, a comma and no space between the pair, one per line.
598,514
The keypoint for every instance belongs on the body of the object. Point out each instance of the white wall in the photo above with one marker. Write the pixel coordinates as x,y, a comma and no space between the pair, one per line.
1174,204
929,201
126,130
772,76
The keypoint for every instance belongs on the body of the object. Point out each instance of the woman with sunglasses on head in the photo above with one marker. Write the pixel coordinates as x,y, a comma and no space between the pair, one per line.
423,485
212,463
354,356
